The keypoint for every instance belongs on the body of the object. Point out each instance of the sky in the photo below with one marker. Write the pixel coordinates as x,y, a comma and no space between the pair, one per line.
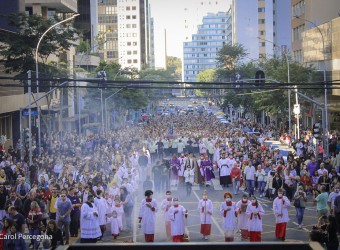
170,16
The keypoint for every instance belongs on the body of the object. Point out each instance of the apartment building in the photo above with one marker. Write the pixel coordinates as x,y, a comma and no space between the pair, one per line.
315,11
261,26
200,53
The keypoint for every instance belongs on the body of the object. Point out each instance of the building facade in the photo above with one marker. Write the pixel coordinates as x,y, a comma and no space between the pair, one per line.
261,26
316,11
200,53
124,27
321,49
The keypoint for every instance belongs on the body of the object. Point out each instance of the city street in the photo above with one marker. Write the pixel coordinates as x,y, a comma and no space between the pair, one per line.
215,193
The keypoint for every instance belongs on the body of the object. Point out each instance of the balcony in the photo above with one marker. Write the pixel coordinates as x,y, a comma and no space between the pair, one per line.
66,6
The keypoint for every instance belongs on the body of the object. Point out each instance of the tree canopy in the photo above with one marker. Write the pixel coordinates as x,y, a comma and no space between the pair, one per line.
18,55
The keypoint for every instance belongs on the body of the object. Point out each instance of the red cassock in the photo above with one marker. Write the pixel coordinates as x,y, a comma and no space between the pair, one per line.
255,236
280,231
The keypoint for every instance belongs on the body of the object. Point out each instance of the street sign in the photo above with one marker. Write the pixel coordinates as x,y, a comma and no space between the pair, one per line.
296,109
34,112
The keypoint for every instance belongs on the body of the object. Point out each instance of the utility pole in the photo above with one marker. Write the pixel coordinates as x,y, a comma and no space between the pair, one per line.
29,73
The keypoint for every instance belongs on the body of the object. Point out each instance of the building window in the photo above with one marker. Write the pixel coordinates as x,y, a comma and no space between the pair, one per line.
134,7
135,60
261,32
134,43
261,10
134,17
262,21
128,17
128,26
128,43
127,7
135,52
134,25
128,52
129,61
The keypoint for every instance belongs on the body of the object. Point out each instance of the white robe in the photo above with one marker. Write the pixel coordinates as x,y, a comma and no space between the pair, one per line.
280,208
165,205
89,224
102,210
120,212
177,220
243,217
114,225
204,207
255,223
229,219
148,216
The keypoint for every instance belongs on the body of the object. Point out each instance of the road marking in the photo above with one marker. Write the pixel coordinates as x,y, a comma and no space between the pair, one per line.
216,184
263,204
295,223
212,217
306,229
195,188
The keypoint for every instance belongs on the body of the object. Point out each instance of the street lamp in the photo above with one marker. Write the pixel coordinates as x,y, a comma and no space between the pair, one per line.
37,68
106,118
325,138
296,95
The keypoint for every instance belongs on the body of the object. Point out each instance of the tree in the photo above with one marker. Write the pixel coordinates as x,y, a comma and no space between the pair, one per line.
230,55
207,75
174,66
19,54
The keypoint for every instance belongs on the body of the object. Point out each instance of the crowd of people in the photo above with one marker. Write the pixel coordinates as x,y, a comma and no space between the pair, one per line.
77,186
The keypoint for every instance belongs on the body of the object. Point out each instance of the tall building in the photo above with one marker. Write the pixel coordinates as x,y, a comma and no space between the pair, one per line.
261,26
87,21
195,10
317,11
201,52
125,28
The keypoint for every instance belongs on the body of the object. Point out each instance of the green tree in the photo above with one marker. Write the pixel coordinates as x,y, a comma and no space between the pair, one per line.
230,55
207,75
19,54
174,66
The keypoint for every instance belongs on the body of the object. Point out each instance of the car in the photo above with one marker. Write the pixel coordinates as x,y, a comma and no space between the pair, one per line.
190,109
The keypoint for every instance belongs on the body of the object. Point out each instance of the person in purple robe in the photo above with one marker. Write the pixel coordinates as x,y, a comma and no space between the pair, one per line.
207,170
175,166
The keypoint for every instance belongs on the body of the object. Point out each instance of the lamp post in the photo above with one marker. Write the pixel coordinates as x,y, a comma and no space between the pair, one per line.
289,92
106,118
325,134
37,69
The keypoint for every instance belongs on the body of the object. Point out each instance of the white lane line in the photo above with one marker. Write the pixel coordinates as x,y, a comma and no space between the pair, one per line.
305,229
216,184
212,217
196,188
265,205
295,223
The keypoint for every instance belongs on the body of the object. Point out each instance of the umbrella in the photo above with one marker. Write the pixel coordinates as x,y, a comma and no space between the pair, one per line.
219,113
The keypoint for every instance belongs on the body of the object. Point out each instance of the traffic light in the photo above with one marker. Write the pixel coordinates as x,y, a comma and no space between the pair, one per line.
260,78
316,130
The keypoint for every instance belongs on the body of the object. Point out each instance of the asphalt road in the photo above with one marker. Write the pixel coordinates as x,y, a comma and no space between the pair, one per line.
216,193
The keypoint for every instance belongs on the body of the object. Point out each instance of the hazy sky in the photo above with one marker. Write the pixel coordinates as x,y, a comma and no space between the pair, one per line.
170,15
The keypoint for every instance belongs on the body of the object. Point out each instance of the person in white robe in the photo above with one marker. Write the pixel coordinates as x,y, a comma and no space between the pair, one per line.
280,207
147,216
255,212
100,203
177,214
205,208
227,209
242,216
165,206
113,220
89,224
